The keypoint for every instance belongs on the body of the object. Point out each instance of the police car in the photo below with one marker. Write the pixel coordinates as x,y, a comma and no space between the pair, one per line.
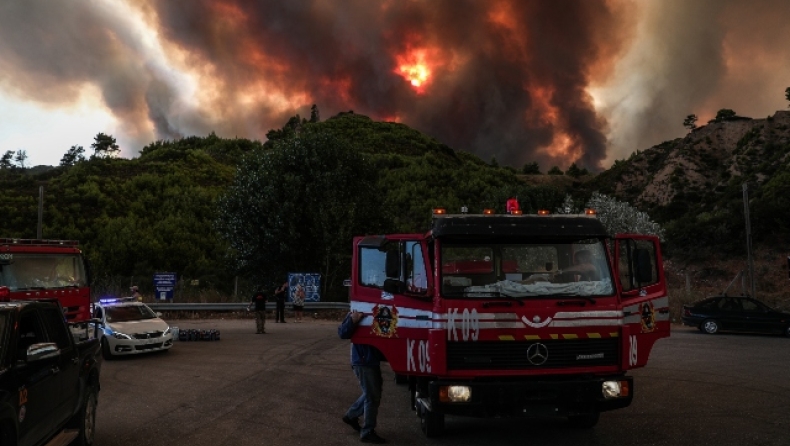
129,327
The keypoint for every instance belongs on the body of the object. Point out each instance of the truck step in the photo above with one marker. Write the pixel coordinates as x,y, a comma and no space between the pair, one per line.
64,438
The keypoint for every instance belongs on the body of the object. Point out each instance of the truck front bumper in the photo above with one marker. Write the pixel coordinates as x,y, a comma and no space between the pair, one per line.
541,397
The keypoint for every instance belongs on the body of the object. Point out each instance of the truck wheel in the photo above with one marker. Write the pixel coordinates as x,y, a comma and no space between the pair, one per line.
105,349
85,419
431,423
7,435
584,421
711,326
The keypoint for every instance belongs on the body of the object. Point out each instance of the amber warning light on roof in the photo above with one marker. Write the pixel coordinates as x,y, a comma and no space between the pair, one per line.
439,211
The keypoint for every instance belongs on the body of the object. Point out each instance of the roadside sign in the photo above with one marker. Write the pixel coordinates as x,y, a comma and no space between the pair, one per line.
311,282
164,284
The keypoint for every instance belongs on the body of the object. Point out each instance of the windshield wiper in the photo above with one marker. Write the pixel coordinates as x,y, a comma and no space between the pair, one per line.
499,294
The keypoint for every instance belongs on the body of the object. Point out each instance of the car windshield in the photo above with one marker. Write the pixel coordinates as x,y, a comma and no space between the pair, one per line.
128,313
562,268
42,271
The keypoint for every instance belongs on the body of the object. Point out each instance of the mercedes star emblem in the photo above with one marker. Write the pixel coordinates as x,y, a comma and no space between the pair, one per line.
537,354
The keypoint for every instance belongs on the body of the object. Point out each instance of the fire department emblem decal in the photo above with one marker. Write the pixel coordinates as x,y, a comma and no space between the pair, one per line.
648,317
385,321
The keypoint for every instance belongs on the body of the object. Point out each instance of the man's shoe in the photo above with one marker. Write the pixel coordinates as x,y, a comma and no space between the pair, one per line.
353,422
372,437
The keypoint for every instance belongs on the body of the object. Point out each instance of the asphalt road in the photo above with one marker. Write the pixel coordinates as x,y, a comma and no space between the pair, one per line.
292,385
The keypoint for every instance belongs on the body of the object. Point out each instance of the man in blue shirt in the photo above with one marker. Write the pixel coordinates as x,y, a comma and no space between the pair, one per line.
366,363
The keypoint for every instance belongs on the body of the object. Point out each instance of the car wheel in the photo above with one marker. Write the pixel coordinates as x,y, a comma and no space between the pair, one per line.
584,421
787,331
710,326
85,419
105,349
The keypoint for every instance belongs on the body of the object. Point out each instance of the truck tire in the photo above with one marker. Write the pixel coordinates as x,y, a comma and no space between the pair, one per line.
7,434
710,326
584,421
85,419
431,423
105,350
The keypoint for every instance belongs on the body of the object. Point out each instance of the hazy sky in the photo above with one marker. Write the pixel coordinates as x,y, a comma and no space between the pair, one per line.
549,81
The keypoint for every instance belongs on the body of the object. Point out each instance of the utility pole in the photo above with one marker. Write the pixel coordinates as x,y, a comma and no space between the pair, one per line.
40,212
748,236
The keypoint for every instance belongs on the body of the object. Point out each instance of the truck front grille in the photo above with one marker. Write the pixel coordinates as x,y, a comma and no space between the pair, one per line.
543,354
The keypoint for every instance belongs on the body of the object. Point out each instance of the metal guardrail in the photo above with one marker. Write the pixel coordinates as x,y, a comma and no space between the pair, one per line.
240,306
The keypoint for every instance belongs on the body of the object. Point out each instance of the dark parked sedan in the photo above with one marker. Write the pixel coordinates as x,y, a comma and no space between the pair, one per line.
735,313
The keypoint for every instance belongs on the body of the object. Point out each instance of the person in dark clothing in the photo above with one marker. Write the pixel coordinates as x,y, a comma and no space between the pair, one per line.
366,363
258,305
280,294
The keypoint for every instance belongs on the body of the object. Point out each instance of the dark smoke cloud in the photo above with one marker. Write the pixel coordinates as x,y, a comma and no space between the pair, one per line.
696,57
510,78
482,93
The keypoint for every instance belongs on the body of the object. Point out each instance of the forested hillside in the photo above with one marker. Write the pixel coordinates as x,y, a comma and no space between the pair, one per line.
158,212
163,211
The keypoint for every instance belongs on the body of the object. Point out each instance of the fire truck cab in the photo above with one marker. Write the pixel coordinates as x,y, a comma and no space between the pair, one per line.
511,315
46,269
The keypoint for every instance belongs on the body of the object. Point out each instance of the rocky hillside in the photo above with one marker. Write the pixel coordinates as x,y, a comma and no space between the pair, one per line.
706,160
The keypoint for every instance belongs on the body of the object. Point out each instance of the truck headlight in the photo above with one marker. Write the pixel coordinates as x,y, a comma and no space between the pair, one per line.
614,389
455,394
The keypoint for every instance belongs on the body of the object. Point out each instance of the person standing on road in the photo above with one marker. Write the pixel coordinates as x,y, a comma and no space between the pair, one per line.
366,363
258,305
279,296
298,302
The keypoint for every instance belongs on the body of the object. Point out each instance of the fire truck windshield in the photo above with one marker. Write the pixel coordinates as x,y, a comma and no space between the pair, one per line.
559,268
25,271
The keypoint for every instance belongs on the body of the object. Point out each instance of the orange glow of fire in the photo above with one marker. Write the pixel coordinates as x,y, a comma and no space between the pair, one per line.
414,68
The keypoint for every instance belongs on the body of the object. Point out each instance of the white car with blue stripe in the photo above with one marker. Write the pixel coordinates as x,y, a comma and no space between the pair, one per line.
129,327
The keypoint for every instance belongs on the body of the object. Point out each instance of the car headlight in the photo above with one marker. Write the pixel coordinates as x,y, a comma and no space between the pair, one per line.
167,331
455,394
118,335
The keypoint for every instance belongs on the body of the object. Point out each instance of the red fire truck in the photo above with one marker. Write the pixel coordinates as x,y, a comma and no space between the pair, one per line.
46,269
511,315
